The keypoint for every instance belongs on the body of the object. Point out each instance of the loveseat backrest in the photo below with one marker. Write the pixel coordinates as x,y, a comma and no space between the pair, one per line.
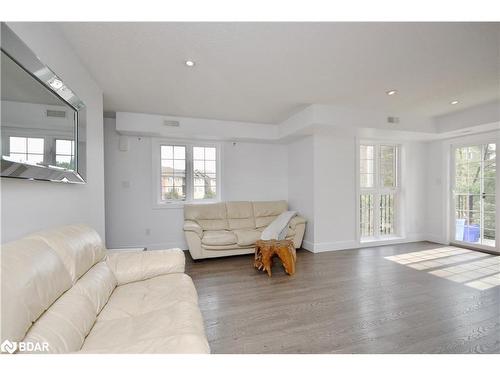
234,215
210,216
266,211
240,215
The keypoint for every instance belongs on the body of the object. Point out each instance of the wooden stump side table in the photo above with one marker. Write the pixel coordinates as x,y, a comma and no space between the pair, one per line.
266,250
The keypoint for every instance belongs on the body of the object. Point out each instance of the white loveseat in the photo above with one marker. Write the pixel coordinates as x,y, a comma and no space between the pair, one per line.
232,228
62,290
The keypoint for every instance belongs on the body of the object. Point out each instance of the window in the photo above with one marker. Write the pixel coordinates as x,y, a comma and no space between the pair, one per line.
25,149
205,176
65,153
379,190
187,173
173,172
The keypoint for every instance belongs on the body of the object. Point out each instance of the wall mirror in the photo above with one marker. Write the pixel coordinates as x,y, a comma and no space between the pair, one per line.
42,120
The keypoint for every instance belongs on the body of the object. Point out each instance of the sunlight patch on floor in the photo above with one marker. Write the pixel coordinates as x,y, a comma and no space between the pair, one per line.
475,269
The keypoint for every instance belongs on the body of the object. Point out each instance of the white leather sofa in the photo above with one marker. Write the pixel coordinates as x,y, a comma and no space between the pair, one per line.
63,288
232,228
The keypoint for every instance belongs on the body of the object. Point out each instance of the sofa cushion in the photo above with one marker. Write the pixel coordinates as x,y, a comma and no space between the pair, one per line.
97,285
247,237
218,237
142,297
208,216
186,343
266,212
240,215
68,321
176,328
130,266
33,277
79,247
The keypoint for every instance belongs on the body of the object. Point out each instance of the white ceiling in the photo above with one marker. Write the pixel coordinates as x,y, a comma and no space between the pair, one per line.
264,72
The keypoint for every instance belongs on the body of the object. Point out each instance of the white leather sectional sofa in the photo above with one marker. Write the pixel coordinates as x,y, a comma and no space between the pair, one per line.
63,288
232,228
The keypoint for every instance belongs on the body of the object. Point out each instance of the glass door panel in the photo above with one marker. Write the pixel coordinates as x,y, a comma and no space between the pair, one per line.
474,194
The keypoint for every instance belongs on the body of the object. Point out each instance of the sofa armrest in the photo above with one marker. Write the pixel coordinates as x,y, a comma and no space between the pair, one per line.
296,220
130,266
192,226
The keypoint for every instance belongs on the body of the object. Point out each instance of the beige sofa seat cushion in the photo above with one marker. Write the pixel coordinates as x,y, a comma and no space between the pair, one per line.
266,212
68,321
177,328
240,215
79,247
223,248
247,237
142,297
177,344
209,216
33,277
218,238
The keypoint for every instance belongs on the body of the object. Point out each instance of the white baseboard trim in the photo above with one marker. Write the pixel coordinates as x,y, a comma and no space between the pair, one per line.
308,245
167,245
319,247
335,246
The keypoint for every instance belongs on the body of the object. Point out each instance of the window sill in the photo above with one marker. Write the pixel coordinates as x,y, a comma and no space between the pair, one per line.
180,205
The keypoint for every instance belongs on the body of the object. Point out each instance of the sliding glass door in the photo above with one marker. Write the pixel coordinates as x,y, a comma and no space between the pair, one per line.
473,201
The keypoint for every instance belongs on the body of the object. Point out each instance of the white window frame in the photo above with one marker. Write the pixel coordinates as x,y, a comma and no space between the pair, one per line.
377,190
174,203
55,154
7,148
451,147
48,136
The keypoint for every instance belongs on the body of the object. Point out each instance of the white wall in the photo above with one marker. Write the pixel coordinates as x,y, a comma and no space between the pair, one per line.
436,192
29,206
415,162
334,190
301,183
254,171
250,171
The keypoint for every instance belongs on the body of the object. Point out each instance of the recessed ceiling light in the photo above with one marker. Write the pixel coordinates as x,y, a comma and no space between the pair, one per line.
454,102
189,63
391,92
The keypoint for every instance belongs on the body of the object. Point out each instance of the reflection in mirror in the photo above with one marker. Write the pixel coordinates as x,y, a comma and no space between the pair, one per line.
37,127
42,128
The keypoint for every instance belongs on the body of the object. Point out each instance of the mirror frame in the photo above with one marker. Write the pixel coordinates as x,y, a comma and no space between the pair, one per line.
22,55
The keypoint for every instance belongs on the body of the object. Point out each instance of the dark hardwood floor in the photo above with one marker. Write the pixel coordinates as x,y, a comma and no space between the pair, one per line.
351,301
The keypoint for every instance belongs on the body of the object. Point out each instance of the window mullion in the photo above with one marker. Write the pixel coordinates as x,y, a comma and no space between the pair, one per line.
189,173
